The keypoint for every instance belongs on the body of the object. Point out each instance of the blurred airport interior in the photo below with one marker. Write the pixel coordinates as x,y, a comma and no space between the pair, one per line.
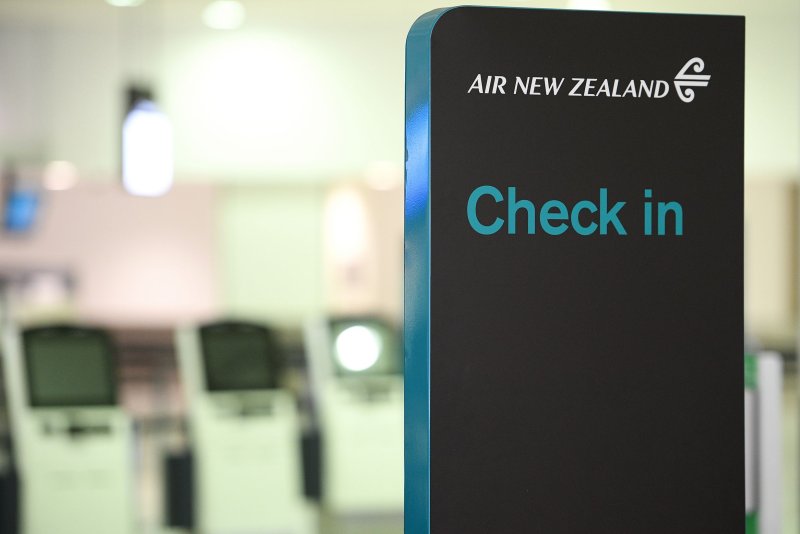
202,212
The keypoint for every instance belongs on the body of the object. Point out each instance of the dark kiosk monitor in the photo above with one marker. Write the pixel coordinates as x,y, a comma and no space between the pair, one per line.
69,366
239,356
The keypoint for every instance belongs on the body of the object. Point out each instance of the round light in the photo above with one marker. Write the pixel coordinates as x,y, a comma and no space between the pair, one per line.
358,348
59,176
224,14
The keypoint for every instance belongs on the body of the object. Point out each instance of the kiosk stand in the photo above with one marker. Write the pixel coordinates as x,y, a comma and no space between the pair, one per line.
763,403
245,432
356,368
72,439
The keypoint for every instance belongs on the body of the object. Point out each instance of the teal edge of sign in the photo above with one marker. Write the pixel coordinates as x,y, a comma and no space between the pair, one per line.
416,330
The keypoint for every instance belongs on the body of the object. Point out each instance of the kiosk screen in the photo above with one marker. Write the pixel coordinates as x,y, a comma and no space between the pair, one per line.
69,366
239,357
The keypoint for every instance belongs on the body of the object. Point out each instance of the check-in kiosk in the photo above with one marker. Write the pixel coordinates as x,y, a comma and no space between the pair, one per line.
245,432
73,441
357,372
763,403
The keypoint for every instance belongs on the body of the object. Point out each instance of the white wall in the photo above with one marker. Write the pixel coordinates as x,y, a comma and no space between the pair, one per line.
771,261
200,252
137,261
270,253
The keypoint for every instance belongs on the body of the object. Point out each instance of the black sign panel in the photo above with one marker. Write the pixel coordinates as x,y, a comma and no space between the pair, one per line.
574,323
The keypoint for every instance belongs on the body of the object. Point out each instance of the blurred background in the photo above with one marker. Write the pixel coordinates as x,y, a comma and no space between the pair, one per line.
201,263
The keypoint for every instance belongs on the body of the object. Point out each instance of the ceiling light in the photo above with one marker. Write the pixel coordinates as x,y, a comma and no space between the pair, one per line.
224,14
60,176
147,168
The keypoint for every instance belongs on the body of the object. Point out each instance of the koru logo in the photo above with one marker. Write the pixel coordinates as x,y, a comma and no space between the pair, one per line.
685,82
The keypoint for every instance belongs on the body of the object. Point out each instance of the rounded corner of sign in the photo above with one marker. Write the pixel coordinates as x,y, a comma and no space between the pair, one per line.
427,23
444,15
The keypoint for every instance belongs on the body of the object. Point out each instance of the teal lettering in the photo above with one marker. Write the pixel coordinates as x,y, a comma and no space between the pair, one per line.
556,218
514,206
472,207
547,214
576,217
610,216
663,209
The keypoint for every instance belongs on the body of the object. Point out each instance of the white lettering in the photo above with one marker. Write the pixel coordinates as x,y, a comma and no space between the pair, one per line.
551,87
603,89
535,85
499,84
519,85
630,89
574,91
614,93
645,87
662,88
477,84
588,86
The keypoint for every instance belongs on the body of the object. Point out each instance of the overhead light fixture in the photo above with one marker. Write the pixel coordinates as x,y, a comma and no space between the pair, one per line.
224,14
147,166
589,5
125,3
60,176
